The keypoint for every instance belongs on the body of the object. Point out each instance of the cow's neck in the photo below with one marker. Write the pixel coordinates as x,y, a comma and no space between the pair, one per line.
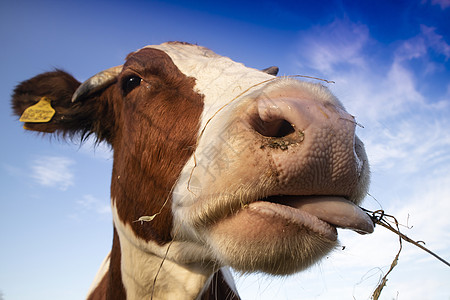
148,270
149,276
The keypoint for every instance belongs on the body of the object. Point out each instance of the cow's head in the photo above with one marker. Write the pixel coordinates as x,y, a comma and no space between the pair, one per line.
240,167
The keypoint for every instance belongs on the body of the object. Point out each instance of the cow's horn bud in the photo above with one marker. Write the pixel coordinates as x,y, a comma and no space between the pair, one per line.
97,82
271,70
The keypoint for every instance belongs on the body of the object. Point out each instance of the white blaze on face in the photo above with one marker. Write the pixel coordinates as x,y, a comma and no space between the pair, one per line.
218,78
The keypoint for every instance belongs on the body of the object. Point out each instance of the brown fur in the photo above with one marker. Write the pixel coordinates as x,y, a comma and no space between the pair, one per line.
156,136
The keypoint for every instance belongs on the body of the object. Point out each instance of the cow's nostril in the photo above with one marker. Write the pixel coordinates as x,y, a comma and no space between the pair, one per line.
277,128
272,119
285,129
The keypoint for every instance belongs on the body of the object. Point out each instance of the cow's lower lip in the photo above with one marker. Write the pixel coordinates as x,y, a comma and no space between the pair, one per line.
320,214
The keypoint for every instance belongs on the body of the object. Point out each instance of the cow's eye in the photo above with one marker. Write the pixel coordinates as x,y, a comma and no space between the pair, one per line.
131,83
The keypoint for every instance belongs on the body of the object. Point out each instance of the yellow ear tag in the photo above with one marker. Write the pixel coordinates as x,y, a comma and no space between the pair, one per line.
41,112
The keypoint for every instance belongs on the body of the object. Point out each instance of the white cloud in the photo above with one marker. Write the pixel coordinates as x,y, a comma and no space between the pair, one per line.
340,43
53,171
442,3
425,207
92,208
419,45
409,145
412,48
436,41
89,203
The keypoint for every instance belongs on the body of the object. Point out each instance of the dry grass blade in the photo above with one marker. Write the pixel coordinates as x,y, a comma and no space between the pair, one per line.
380,218
161,265
311,77
143,219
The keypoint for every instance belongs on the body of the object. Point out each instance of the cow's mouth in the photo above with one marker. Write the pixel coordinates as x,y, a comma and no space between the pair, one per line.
319,214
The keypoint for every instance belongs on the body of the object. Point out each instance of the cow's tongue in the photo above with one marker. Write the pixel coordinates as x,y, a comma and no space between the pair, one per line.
333,210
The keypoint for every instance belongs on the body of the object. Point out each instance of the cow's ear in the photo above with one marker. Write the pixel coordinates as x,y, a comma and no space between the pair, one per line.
44,103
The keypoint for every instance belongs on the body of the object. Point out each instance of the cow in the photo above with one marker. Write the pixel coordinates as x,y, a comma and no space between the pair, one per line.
215,166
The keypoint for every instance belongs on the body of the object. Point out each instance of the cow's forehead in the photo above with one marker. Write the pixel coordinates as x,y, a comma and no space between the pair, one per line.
184,50
218,78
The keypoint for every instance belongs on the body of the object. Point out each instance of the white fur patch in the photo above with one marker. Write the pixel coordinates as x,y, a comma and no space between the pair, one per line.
181,276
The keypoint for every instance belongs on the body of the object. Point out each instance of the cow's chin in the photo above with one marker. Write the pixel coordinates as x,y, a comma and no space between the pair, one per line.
266,237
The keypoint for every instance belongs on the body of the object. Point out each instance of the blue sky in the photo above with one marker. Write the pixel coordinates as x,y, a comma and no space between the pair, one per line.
391,64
